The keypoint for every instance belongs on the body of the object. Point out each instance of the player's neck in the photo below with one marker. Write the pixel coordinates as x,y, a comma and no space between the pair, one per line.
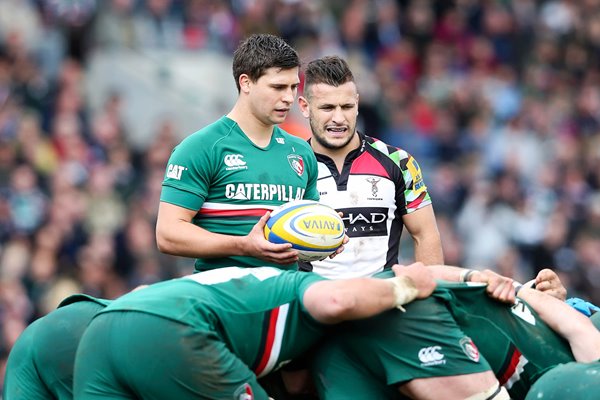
257,131
337,155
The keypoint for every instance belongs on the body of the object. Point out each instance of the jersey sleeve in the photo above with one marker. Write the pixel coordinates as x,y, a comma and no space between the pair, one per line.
188,174
312,169
416,195
308,279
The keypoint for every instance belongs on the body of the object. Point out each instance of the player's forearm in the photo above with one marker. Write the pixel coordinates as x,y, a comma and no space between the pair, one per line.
446,272
582,336
188,240
335,301
428,249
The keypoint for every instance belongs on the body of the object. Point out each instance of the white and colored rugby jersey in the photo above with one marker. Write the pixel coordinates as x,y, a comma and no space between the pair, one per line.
377,186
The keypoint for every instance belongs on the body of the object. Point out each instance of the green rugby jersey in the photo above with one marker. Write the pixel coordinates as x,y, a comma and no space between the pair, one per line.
514,340
257,312
519,346
231,182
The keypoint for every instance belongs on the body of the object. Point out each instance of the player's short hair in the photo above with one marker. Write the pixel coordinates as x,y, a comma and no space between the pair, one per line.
259,52
330,70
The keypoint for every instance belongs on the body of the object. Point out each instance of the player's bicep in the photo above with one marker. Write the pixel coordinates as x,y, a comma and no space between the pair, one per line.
420,222
170,216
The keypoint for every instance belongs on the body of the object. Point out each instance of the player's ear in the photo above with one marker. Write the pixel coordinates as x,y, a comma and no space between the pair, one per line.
303,103
244,81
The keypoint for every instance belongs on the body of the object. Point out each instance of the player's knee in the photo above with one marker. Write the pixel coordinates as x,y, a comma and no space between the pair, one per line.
495,392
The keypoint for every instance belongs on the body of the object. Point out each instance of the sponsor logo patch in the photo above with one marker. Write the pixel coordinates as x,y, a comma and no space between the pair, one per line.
365,221
415,171
175,171
263,191
431,356
234,162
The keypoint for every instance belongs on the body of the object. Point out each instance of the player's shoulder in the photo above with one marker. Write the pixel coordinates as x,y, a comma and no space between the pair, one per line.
379,148
210,133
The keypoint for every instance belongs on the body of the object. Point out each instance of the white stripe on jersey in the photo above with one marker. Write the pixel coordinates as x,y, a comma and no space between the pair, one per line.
220,275
229,206
516,376
277,341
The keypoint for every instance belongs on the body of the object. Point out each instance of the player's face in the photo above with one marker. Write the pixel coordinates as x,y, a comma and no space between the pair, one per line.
331,113
273,94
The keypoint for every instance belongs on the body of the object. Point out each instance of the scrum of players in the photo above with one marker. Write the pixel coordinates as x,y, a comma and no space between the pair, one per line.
479,336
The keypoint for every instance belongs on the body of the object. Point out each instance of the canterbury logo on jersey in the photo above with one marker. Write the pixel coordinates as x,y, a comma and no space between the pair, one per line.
263,191
234,161
430,356
365,221
175,171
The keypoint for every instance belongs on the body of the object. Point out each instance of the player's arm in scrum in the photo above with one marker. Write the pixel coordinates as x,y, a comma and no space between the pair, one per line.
547,299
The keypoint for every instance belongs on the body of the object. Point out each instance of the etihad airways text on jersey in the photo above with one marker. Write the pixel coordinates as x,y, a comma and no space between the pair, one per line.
263,191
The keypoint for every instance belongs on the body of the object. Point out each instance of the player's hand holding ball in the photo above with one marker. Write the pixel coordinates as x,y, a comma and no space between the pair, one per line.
313,229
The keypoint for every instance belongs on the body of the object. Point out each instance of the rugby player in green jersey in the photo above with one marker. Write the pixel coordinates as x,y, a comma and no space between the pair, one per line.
209,335
387,354
221,182
40,364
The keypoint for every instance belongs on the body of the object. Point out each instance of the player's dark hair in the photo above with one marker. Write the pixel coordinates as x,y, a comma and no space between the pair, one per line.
330,70
259,52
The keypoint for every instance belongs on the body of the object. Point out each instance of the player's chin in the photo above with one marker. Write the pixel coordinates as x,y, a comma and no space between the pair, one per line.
336,142
279,116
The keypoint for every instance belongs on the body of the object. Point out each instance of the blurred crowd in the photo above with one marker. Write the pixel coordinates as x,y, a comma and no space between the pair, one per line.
499,101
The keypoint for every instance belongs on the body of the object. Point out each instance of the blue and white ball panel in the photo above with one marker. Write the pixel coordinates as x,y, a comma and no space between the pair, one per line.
314,229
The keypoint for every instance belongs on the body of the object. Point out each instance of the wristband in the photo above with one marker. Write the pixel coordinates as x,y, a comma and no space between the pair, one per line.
517,287
465,275
530,284
405,290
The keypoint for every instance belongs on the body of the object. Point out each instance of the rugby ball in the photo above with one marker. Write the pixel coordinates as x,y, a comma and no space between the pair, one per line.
314,229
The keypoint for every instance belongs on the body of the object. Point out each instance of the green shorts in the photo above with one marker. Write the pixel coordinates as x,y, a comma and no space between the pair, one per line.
40,364
127,355
396,347
338,375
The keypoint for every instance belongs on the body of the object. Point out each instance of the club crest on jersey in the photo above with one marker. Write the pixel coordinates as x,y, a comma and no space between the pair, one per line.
373,182
244,392
469,348
297,163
